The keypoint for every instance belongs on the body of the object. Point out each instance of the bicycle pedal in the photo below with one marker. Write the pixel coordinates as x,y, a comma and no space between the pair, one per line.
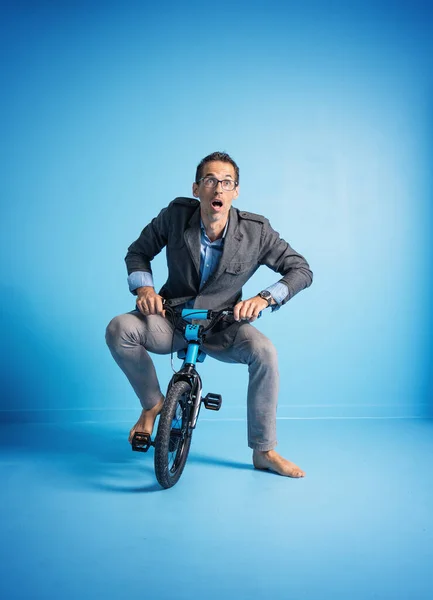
141,442
212,401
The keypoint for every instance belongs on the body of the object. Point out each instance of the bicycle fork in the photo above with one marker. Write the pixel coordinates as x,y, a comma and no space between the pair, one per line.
211,401
192,355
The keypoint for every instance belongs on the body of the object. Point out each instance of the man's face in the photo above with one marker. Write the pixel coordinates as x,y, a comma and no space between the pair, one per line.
215,201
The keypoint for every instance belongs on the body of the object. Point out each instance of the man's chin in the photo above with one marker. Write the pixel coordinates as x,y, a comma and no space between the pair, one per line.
217,216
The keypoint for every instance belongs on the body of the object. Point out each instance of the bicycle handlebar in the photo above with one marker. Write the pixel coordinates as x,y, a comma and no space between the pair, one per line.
191,314
202,314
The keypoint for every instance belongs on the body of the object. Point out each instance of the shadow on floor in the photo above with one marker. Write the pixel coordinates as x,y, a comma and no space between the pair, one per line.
89,455
218,462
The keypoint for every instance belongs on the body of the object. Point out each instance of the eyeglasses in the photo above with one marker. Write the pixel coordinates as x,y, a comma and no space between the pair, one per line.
228,185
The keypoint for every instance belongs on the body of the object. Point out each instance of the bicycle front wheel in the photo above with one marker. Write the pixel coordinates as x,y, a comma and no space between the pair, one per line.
173,438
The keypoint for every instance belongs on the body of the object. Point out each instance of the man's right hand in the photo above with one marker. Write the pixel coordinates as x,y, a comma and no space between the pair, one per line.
149,302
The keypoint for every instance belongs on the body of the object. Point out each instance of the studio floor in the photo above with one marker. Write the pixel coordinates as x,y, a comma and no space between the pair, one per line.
83,517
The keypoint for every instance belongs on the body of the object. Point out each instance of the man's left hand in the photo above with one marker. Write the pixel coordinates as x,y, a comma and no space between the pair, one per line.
249,310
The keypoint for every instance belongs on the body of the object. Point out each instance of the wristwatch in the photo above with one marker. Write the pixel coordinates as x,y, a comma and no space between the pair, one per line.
266,296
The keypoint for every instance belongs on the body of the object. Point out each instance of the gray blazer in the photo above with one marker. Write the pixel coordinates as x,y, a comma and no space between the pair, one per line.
250,242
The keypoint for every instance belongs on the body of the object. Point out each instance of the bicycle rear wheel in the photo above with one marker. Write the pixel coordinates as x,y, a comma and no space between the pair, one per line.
173,438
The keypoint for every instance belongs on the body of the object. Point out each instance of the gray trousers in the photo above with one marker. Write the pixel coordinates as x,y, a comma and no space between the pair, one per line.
130,338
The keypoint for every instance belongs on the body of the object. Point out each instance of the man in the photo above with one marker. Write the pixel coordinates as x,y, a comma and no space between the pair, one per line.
212,250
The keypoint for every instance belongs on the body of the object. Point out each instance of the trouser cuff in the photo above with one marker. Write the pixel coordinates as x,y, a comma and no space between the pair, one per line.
262,447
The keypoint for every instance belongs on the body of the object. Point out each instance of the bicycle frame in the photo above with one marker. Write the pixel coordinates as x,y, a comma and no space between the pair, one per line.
193,335
192,355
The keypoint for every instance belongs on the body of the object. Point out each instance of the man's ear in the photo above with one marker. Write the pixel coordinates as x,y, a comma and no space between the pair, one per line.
195,190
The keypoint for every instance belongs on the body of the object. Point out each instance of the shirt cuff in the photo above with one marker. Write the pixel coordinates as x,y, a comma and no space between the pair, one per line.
139,279
279,292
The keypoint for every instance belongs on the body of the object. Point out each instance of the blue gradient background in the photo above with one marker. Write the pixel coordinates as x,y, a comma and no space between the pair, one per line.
106,108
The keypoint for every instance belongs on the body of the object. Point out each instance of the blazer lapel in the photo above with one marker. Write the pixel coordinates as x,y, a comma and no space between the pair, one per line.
232,242
192,238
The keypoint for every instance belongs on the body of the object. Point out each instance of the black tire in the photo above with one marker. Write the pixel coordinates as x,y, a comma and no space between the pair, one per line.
173,438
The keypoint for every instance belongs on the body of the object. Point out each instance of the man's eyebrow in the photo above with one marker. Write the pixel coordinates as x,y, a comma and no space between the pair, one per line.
213,175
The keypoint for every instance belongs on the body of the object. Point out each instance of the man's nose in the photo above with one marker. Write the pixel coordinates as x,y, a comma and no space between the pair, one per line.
219,187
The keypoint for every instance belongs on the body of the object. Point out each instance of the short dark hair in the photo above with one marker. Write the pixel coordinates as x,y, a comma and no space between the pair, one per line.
220,156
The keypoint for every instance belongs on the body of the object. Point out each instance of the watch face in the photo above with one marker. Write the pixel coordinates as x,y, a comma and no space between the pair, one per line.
266,296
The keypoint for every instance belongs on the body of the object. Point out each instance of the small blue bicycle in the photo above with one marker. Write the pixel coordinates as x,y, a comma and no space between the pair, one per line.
183,400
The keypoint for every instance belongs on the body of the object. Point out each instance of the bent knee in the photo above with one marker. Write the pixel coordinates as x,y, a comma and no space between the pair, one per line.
265,351
118,328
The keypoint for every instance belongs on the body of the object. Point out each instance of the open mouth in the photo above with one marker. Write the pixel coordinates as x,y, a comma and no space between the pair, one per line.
217,204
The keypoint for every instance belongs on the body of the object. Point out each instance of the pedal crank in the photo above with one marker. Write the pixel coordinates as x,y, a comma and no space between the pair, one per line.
141,442
212,401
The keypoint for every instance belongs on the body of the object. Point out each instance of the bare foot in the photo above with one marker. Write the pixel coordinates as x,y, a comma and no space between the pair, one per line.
147,420
274,462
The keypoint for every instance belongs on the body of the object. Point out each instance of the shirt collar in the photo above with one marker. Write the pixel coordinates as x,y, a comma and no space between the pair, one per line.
224,232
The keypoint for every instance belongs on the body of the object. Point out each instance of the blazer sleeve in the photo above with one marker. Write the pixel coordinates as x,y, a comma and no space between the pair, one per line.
152,240
279,256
